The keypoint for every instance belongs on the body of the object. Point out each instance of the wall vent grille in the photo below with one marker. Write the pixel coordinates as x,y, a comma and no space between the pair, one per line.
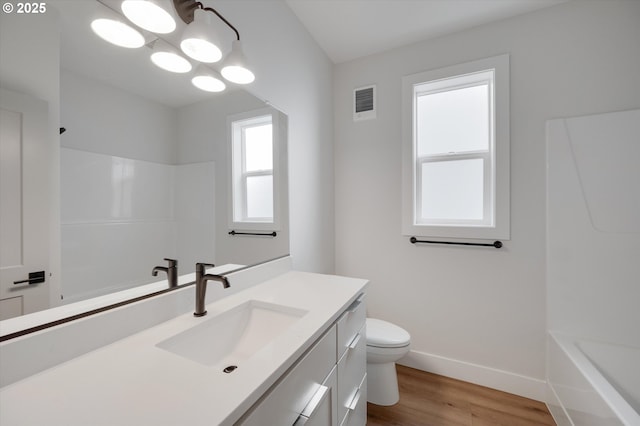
364,103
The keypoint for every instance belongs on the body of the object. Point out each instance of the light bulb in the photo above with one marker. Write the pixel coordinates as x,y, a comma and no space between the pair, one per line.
237,74
117,33
148,14
167,58
208,83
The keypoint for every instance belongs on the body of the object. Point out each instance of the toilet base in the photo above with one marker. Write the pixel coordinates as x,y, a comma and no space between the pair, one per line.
382,383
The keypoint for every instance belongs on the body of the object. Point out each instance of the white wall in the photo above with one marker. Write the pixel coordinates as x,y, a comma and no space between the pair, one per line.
103,119
203,136
476,313
295,76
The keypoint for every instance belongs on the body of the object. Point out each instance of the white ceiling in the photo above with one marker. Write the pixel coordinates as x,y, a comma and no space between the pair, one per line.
349,29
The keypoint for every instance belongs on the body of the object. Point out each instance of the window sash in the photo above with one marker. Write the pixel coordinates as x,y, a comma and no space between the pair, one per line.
245,195
452,83
420,91
243,146
497,225
487,205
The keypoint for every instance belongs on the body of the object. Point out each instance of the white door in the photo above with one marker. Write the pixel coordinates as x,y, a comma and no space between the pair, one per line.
24,204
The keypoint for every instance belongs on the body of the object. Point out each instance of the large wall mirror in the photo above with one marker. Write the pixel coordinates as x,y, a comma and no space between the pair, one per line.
143,165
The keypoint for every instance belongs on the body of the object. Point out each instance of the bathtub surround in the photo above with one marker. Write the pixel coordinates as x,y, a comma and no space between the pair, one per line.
130,213
582,388
593,207
592,268
476,314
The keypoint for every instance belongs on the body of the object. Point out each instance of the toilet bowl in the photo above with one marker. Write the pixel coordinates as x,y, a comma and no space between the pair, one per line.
386,344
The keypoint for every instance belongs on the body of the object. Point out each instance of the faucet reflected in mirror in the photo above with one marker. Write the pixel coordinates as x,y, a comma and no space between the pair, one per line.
171,271
201,286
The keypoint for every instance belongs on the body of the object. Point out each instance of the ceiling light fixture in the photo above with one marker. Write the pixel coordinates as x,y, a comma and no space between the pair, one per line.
200,40
235,67
150,15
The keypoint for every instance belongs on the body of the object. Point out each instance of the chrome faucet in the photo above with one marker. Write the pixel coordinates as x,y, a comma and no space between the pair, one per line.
171,270
201,286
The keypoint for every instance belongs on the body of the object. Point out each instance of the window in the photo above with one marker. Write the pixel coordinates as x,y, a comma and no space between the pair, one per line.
456,151
255,172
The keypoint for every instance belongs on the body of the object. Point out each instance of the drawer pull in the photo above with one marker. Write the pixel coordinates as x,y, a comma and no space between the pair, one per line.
355,341
354,306
354,402
312,406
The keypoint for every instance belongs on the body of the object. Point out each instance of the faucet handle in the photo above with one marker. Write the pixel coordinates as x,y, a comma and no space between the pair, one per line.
172,262
201,267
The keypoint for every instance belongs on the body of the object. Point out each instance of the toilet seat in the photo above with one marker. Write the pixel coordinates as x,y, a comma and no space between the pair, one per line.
383,334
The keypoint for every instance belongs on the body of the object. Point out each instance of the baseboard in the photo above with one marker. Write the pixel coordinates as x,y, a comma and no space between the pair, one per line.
505,381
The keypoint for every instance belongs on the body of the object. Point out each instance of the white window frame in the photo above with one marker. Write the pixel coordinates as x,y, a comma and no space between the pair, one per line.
496,221
236,124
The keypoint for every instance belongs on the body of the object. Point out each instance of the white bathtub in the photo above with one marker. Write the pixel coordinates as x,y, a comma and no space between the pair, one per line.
593,383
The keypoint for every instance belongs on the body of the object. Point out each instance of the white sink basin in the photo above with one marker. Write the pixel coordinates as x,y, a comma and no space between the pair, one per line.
233,336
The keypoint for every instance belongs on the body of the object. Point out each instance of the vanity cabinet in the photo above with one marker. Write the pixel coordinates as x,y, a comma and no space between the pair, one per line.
327,385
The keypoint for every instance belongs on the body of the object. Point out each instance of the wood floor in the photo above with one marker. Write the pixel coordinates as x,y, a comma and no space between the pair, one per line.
430,400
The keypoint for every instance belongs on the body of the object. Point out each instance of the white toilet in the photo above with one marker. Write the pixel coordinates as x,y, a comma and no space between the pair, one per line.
386,344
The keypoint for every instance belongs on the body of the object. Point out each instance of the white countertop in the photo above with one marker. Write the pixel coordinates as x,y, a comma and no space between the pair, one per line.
134,382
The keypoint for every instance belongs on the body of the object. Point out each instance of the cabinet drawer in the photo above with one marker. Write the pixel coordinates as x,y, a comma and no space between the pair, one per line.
350,323
321,410
352,367
357,413
284,403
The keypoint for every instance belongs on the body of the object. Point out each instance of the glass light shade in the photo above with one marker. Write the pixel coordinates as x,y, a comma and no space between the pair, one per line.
235,69
199,40
165,57
117,33
149,14
208,83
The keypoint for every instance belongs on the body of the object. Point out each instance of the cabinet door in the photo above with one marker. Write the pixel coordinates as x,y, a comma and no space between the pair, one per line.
322,409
